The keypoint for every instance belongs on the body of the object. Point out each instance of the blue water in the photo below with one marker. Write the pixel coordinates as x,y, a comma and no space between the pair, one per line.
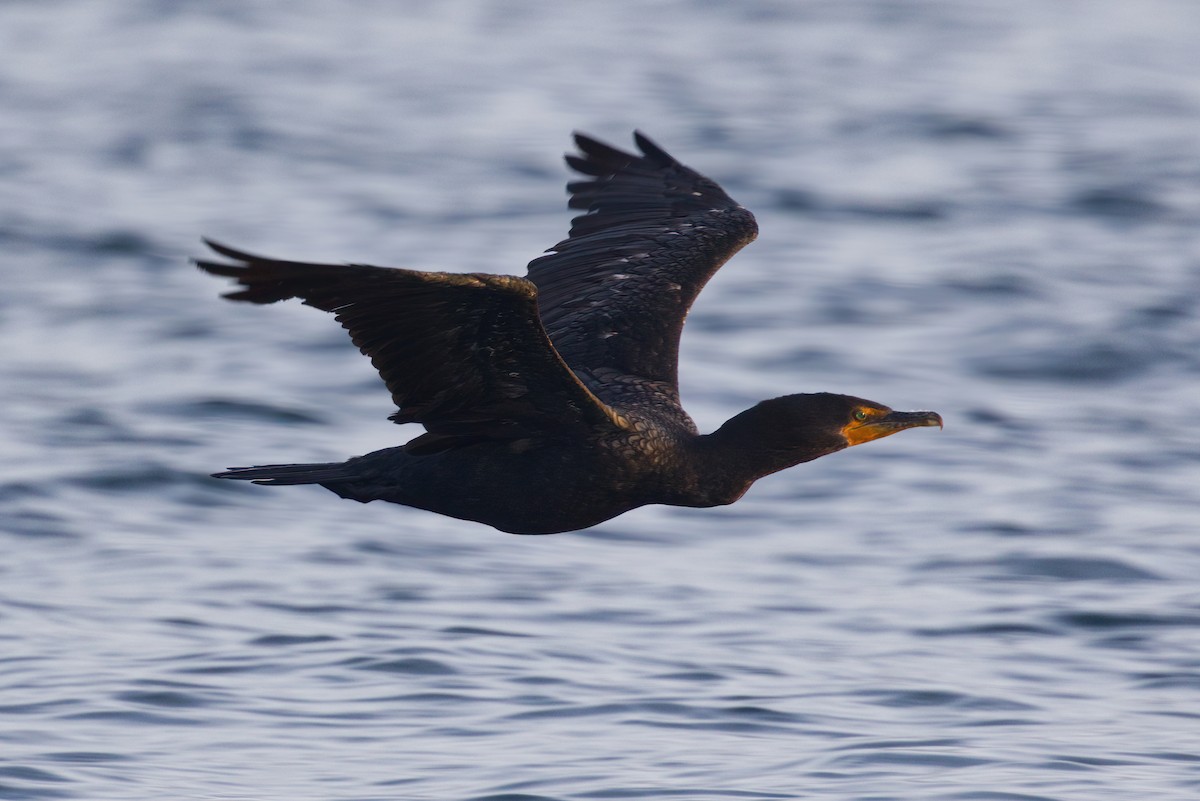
991,209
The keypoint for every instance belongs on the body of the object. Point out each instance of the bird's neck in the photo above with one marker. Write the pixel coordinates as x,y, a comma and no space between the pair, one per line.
745,449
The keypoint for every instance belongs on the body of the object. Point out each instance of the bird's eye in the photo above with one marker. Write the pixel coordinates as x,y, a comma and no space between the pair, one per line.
860,415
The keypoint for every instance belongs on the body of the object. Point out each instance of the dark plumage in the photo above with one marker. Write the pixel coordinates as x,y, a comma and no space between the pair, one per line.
551,403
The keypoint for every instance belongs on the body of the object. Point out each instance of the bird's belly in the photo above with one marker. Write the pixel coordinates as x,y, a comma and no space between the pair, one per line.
541,492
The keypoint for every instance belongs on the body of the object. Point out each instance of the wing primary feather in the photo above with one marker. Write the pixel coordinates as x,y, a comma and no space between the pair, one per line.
652,150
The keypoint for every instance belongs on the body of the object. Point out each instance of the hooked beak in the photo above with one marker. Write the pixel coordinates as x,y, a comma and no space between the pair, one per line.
888,424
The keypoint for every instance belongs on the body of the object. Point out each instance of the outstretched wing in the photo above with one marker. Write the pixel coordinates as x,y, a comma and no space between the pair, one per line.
613,295
463,354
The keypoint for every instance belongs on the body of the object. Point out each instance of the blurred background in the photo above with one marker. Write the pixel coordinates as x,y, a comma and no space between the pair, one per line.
984,208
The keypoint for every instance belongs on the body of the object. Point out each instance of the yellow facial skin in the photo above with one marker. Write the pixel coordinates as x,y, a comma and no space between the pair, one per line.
875,422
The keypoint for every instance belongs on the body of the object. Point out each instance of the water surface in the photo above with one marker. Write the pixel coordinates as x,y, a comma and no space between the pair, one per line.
989,209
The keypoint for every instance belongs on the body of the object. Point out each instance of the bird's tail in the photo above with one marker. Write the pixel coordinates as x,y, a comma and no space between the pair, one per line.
282,474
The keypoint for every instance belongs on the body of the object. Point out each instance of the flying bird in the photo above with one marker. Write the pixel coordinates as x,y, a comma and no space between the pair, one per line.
551,403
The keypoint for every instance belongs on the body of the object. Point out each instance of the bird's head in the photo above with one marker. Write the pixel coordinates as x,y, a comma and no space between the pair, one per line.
800,428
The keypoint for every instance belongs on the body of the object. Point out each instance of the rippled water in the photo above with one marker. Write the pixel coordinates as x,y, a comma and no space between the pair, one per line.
989,209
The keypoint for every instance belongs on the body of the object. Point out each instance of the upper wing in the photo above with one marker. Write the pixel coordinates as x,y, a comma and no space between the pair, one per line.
613,296
464,355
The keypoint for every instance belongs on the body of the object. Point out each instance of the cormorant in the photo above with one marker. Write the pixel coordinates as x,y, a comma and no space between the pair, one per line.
551,403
